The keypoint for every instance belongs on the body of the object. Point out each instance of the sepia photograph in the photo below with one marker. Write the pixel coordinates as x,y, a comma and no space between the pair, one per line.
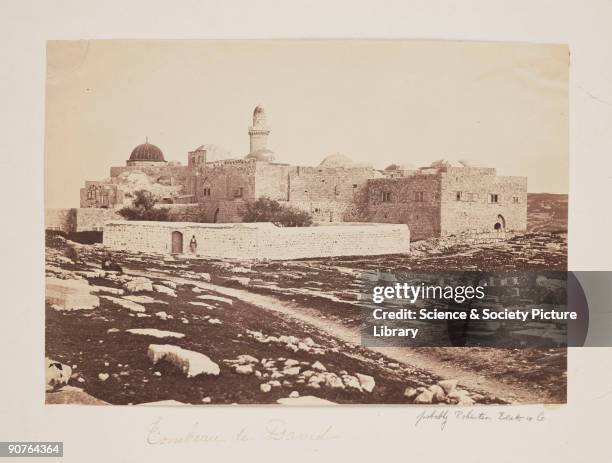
216,210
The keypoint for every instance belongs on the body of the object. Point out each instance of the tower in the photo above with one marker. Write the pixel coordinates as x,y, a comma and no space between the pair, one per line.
259,131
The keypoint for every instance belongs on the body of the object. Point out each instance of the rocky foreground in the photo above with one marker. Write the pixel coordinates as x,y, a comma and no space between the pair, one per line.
167,338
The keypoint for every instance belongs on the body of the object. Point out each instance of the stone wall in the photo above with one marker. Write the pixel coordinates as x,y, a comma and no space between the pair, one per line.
78,220
413,200
258,240
467,204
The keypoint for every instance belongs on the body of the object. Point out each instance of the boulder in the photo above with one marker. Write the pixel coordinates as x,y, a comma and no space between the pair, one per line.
155,333
189,362
265,387
138,284
56,374
438,393
244,359
244,369
161,315
125,303
410,393
448,385
318,366
367,382
72,395
70,294
164,290
425,397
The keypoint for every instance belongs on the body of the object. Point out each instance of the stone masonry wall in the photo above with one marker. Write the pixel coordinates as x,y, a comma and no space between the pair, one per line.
259,240
466,202
413,200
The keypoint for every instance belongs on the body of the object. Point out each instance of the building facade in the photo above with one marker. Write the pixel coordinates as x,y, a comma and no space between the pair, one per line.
445,198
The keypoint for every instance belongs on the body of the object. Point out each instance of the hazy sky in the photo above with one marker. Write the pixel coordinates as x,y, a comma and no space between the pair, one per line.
382,102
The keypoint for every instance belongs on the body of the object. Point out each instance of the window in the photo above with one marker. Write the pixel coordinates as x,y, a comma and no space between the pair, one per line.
515,199
493,198
386,196
459,196
354,185
206,191
419,196
239,192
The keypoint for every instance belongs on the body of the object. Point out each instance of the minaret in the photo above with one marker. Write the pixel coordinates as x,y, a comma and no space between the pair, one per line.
259,131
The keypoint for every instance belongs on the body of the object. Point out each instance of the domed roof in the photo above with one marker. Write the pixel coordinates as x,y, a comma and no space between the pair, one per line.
261,155
400,167
147,152
337,160
441,163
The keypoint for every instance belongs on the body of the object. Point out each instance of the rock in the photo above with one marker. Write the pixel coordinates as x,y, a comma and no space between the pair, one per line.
291,363
164,290
448,385
156,373
332,380
70,294
107,289
351,382
438,393
367,382
112,330
72,395
56,374
161,315
318,366
244,359
138,284
215,321
189,362
204,277
155,333
244,369
304,400
265,387
206,400
291,371
210,297
169,284
460,397
103,376
410,393
142,299
425,397
274,383
126,304
294,395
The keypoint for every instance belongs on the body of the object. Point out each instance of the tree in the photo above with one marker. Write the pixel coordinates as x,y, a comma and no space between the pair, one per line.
269,210
143,208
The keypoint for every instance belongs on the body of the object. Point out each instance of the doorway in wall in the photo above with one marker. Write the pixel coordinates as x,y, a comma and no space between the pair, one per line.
500,223
177,242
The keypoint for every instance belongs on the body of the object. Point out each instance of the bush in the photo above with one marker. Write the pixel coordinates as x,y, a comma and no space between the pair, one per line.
268,210
143,208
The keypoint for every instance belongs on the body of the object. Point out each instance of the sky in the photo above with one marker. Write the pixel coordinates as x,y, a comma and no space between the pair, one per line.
504,105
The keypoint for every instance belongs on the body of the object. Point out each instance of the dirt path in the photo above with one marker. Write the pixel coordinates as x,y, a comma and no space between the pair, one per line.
469,379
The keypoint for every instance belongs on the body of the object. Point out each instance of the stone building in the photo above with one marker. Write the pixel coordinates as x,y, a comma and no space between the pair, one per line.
445,198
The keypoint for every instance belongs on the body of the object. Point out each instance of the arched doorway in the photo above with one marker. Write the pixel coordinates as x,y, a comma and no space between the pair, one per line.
216,216
500,223
177,242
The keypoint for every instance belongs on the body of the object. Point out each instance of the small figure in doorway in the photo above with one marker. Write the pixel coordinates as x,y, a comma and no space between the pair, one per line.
193,245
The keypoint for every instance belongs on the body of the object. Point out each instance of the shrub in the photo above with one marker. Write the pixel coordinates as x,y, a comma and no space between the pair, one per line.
143,208
269,210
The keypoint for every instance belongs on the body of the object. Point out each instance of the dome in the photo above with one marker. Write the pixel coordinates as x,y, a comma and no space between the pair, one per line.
400,167
442,163
337,160
258,110
261,155
147,152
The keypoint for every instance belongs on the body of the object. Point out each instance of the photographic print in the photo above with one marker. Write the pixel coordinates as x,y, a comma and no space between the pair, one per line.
213,207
